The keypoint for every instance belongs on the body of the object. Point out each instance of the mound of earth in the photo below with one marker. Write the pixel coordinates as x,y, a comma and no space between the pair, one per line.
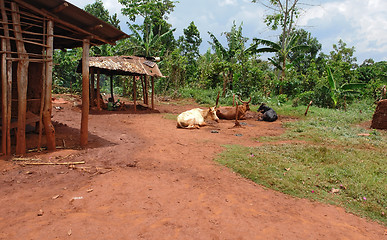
379,120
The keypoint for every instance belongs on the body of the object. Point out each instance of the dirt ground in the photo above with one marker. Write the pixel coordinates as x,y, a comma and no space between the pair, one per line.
145,179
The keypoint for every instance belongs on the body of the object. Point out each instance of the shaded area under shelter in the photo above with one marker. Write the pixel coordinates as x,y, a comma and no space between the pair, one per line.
140,68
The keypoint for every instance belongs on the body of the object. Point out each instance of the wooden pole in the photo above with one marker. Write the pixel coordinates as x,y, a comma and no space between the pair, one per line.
22,81
98,90
111,88
42,94
310,103
92,97
146,90
4,98
134,93
47,110
143,89
153,92
85,93
5,47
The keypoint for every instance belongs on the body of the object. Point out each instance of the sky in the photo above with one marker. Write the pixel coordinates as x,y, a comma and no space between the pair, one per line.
359,23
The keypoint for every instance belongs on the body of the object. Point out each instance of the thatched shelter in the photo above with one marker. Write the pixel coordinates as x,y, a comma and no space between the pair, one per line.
30,31
138,67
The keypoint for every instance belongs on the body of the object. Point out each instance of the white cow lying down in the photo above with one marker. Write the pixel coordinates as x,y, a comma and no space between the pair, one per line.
195,118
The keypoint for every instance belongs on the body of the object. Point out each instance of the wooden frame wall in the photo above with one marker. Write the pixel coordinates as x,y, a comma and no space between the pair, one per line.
16,21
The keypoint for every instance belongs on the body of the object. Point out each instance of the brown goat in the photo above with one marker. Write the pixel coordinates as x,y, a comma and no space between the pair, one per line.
229,113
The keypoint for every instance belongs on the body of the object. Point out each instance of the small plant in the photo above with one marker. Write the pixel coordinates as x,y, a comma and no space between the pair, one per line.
338,92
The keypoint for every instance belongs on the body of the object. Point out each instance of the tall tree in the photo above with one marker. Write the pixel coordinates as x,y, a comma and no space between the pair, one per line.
98,10
189,46
190,41
284,15
153,12
343,62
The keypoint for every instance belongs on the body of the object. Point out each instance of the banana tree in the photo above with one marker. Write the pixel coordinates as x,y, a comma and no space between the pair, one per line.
229,55
147,44
282,50
338,92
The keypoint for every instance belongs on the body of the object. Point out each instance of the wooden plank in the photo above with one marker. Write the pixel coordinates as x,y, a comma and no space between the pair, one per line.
85,93
48,126
22,81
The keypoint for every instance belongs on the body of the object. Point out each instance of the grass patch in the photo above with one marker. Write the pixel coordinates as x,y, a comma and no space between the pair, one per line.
310,171
334,156
170,116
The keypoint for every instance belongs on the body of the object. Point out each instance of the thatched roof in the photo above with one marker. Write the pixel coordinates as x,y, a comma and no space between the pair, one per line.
125,65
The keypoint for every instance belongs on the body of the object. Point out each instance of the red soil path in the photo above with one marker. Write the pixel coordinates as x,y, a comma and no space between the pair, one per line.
145,179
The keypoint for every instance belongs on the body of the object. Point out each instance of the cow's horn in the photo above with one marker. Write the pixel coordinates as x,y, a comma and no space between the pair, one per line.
243,101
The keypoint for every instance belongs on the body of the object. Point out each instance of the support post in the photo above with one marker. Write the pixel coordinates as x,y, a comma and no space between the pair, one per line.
134,93
143,89
146,90
111,88
22,81
85,93
4,97
153,92
92,97
6,75
98,90
47,109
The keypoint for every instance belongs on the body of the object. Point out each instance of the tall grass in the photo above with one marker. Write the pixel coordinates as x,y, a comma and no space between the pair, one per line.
339,162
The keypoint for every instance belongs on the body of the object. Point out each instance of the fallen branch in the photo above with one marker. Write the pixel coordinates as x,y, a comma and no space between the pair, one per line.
52,163
26,159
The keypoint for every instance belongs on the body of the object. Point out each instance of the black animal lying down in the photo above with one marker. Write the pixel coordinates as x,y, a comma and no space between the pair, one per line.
269,115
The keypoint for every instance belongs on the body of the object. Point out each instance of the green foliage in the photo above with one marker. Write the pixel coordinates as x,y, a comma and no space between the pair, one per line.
147,44
97,9
155,10
337,92
64,70
201,96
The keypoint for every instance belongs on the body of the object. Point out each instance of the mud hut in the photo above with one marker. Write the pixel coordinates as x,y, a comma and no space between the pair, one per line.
379,119
139,67
30,31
